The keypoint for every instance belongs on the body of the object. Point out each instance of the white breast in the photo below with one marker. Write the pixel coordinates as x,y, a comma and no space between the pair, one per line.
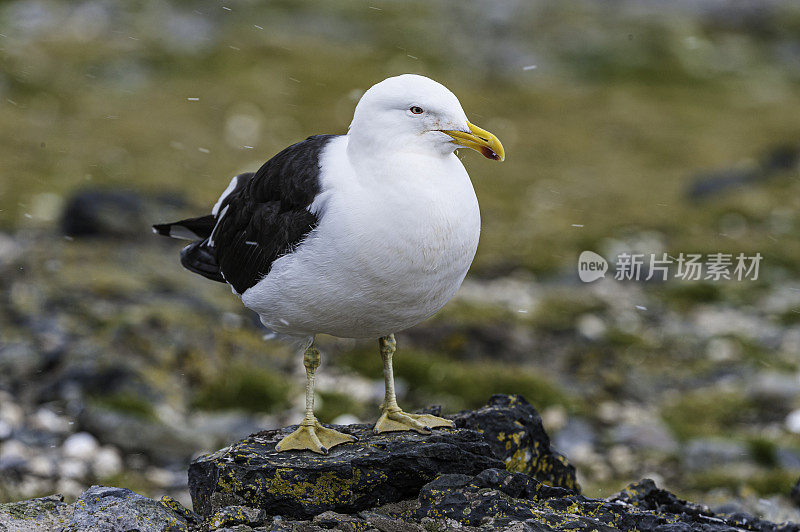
390,250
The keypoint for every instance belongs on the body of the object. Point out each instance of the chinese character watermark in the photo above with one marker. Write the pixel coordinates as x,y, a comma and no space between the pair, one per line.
662,267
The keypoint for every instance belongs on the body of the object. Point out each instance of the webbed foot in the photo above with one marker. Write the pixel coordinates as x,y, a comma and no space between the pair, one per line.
394,419
313,437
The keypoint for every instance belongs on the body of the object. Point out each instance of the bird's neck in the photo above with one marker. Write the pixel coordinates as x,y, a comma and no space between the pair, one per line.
374,157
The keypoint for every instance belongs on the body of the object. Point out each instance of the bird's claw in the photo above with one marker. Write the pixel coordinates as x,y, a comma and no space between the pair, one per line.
313,437
394,419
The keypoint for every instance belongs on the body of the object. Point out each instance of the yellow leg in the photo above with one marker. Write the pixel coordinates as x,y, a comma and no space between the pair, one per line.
392,417
311,434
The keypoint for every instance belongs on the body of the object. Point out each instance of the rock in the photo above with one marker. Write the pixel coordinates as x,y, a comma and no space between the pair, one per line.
237,515
46,420
576,433
377,469
647,435
103,213
114,213
192,519
498,499
795,494
135,434
514,430
46,513
81,446
705,453
107,462
793,421
121,510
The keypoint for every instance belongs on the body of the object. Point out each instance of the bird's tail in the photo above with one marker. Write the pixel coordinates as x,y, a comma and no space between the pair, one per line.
198,228
199,258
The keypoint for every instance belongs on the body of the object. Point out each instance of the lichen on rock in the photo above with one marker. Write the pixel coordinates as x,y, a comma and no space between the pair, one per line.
513,428
377,469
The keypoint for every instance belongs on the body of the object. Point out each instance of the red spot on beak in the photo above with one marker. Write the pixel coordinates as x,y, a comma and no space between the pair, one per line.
489,154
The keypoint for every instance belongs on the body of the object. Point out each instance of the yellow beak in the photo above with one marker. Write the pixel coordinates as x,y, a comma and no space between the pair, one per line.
479,140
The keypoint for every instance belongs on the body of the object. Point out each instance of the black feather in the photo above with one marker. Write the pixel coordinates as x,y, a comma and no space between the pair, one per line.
191,228
264,217
199,258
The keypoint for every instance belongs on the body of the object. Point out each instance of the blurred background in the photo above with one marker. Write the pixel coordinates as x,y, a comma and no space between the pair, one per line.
644,126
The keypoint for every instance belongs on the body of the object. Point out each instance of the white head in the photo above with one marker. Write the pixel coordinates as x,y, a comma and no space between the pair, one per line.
414,113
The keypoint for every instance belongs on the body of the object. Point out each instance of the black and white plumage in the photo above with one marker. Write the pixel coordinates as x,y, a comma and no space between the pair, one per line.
358,235
260,217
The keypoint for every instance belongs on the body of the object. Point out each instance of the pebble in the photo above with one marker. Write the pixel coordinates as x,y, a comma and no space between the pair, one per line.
622,460
346,419
81,446
10,412
72,468
793,421
591,326
107,462
647,435
13,449
6,430
69,488
705,453
41,466
575,438
47,420
723,349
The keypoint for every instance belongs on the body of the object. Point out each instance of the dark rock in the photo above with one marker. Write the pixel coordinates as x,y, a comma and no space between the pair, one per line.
500,499
114,213
237,515
377,469
514,430
335,521
795,494
778,160
191,518
103,213
121,510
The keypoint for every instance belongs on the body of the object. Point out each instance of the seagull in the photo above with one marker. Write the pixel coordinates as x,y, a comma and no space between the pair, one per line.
356,236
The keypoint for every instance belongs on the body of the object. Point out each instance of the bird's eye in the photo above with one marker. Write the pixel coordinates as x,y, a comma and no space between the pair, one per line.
416,110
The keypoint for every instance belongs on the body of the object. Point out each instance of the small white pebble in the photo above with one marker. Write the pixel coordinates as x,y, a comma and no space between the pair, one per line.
81,445
107,462
793,421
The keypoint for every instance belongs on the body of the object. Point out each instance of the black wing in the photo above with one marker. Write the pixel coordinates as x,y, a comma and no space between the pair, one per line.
264,217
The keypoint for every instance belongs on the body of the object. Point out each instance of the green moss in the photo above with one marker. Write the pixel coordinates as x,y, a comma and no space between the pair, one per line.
685,295
709,413
773,481
467,384
763,451
128,403
559,312
334,404
245,388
